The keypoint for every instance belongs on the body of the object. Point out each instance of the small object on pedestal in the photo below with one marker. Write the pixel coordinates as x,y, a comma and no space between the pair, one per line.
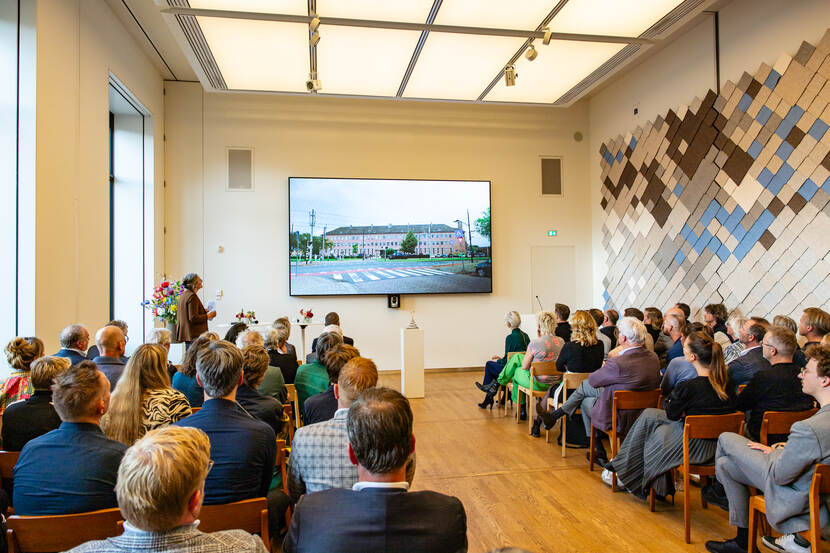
412,324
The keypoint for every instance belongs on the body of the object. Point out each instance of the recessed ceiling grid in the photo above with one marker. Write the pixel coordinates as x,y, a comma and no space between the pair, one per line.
450,52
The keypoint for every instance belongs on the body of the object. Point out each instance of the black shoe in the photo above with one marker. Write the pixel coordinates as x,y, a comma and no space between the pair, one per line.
550,418
726,546
488,402
540,408
482,387
711,494
535,430
522,413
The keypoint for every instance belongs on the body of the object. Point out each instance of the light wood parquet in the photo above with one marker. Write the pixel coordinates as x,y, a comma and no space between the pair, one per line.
519,491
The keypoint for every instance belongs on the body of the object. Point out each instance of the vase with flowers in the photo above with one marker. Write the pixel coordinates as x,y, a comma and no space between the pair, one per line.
246,317
306,315
164,302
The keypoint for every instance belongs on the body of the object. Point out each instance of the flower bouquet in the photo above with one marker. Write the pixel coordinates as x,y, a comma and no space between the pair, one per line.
247,317
165,301
307,315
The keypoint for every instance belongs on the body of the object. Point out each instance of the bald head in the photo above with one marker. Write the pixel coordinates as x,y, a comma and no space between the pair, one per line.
110,341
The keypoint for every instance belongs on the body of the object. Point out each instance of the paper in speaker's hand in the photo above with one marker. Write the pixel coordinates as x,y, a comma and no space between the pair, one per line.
211,306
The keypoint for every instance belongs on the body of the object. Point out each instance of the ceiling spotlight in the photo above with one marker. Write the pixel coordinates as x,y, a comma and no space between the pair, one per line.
314,38
314,23
546,38
510,75
531,53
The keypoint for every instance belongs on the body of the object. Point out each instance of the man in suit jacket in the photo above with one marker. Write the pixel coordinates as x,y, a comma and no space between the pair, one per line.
633,368
609,326
750,360
74,341
160,490
111,343
378,514
783,471
332,320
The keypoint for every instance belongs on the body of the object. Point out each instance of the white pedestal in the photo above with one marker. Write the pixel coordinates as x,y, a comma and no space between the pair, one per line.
412,362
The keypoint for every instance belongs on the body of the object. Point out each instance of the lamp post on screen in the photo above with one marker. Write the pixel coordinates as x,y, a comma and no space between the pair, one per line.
469,235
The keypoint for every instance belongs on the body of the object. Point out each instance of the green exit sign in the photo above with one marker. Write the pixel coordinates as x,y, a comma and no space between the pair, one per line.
551,233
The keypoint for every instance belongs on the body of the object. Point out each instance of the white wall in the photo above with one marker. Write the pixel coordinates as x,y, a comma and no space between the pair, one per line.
79,44
751,32
302,136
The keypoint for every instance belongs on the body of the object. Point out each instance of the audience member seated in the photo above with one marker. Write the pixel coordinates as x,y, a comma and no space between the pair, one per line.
783,471
94,352
72,469
733,327
609,326
111,344
654,445
715,315
378,514
164,338
284,323
654,326
321,407
312,378
813,326
265,408
333,318
273,384
517,341
673,326
583,354
160,492
563,327
777,388
640,316
242,447
185,379
320,452
685,309
74,341
278,353
545,347
598,316
635,368
32,417
234,331
680,370
20,353
751,359
144,399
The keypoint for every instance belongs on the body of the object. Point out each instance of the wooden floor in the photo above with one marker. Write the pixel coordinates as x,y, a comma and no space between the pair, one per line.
519,491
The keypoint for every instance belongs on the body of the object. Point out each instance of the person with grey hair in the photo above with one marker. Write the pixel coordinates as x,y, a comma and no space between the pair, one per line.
633,368
313,378
278,352
243,448
273,383
74,342
378,513
733,350
517,340
162,337
285,324
191,316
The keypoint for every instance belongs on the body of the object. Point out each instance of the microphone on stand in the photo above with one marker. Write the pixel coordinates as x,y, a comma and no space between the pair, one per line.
540,303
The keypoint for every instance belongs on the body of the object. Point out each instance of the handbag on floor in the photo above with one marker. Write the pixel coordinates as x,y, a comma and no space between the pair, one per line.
575,436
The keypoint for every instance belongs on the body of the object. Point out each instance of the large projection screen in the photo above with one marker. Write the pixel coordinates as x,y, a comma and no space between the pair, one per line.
388,236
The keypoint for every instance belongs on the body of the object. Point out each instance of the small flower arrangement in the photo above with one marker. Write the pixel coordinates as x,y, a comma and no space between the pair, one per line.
165,300
307,315
246,316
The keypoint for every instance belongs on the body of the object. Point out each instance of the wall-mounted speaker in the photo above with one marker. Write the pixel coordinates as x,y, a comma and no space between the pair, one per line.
240,168
552,176
393,301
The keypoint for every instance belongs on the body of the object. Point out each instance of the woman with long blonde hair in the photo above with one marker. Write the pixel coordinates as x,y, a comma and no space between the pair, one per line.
143,398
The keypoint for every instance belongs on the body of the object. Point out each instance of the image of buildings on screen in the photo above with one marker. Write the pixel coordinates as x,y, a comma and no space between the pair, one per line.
432,240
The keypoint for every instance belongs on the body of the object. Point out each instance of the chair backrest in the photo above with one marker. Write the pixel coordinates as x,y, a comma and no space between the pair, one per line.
291,391
288,420
8,459
629,399
779,422
60,532
282,463
741,388
250,515
512,353
712,426
195,410
544,368
573,380
820,484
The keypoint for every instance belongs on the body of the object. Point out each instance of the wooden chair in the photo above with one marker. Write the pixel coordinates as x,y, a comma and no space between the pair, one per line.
700,427
195,410
503,394
779,422
292,397
8,459
537,368
625,400
288,419
741,388
819,485
30,534
570,381
250,515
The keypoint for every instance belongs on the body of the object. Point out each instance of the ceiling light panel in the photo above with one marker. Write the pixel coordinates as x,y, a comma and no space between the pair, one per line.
525,15
558,67
368,62
258,55
611,17
289,7
459,67
409,11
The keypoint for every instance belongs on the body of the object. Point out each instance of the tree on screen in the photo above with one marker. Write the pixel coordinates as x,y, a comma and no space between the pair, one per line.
482,224
302,245
317,245
354,248
409,243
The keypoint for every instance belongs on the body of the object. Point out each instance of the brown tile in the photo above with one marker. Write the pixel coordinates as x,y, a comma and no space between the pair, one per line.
604,204
753,88
720,122
710,117
634,201
767,239
629,173
628,151
804,53
796,203
729,147
737,165
603,149
662,210
826,161
775,206
720,141
795,137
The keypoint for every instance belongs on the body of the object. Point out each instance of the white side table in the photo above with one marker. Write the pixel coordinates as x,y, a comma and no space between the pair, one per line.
412,362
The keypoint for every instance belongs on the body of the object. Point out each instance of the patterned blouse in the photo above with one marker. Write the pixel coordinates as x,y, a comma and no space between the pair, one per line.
545,348
164,406
14,388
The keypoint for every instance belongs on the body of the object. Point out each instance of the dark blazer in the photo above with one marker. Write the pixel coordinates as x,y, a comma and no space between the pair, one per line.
777,388
112,367
73,356
611,332
191,318
27,419
265,408
320,407
287,363
635,369
346,340
563,330
746,365
377,520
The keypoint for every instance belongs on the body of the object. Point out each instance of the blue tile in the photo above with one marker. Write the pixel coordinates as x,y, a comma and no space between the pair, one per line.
633,143
763,115
818,129
704,239
714,244
808,189
605,295
723,253
620,155
709,214
755,149
764,221
772,79
685,232
765,177
784,150
722,216
734,219
794,114
780,179
739,233
678,189
679,257
743,248
786,171
826,185
745,102
784,128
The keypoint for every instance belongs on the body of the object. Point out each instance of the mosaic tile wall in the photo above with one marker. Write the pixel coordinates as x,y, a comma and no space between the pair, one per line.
726,200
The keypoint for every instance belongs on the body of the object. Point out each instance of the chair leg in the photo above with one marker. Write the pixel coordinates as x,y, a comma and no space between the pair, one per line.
613,482
563,434
651,499
591,452
703,482
687,524
752,541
